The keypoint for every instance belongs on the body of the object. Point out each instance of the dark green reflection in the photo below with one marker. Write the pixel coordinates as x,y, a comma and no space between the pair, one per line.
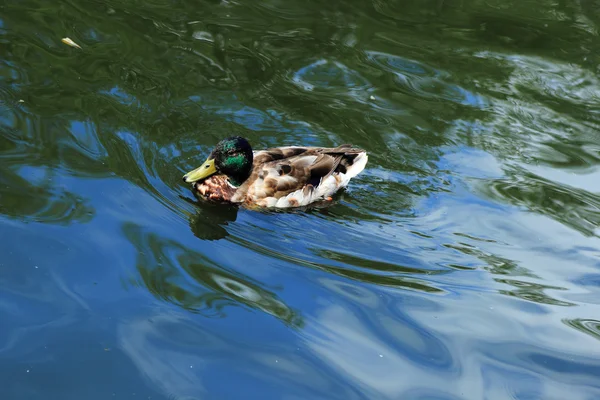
193,281
573,207
210,220
533,292
588,326
368,275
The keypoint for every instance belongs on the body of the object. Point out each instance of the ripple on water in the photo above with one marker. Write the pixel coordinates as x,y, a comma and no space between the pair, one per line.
183,358
575,208
588,326
368,349
193,281
332,80
540,122
42,202
419,79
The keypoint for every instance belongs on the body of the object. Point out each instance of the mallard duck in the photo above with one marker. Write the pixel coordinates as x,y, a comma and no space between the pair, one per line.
279,177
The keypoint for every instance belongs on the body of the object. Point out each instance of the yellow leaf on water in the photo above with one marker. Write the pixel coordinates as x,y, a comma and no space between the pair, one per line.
71,43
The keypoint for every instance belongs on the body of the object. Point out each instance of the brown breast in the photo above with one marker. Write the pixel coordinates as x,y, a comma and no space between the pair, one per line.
215,188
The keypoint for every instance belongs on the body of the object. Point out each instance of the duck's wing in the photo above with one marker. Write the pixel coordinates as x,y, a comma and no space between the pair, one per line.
297,176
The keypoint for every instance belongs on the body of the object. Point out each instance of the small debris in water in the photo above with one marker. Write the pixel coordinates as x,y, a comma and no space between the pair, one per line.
71,43
205,36
381,356
372,97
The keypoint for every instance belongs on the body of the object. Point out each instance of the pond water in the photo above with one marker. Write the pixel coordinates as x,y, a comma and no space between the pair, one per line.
463,263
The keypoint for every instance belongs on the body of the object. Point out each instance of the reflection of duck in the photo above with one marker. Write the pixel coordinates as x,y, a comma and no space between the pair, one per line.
278,177
209,223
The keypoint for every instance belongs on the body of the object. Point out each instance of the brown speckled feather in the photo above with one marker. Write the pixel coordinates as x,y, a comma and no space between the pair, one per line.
280,171
216,188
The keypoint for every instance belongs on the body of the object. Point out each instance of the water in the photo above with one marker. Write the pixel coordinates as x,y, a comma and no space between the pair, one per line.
462,264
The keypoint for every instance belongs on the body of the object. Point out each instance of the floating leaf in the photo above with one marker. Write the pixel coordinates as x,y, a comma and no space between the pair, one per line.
71,43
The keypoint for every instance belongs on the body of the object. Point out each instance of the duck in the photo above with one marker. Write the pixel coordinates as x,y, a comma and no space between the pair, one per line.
278,177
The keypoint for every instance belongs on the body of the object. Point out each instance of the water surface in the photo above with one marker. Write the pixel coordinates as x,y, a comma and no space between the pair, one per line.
462,264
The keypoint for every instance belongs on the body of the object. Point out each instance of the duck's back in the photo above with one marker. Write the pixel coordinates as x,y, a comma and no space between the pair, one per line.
297,176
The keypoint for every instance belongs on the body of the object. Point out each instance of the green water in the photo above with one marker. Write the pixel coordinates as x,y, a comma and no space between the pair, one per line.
463,263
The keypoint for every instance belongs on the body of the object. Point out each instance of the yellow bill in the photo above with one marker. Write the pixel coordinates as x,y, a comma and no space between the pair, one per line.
202,172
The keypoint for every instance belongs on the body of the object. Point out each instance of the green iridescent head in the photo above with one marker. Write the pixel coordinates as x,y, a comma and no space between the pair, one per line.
231,157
